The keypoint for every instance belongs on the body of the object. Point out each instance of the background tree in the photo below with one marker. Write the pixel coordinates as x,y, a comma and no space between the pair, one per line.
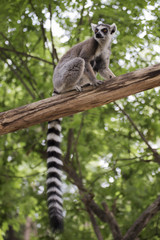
111,153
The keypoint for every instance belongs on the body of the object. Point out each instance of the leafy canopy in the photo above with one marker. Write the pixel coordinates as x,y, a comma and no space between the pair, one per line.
107,152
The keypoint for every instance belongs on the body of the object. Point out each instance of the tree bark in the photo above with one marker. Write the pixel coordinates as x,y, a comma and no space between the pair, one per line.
112,223
28,229
143,220
72,102
11,235
95,225
104,216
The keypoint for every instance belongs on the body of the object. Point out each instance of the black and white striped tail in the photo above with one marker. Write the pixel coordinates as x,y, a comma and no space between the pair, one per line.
54,165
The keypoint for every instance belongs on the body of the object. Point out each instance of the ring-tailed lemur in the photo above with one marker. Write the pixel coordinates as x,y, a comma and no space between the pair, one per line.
76,68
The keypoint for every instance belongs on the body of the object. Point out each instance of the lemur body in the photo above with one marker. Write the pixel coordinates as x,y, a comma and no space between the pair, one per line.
76,68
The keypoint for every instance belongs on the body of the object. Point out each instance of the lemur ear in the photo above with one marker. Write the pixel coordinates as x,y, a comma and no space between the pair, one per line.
113,28
93,26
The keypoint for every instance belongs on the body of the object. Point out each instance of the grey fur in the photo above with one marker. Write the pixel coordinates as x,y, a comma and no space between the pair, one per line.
80,64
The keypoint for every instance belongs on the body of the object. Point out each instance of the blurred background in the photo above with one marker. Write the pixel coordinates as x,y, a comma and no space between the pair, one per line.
112,148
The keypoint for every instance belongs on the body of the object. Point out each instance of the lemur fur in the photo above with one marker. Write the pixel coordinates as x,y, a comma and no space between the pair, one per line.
76,68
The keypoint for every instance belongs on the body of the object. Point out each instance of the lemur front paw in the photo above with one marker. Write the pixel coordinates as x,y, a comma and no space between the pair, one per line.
78,88
97,82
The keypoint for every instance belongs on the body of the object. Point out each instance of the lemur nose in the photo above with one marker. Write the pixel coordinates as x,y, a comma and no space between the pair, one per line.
98,35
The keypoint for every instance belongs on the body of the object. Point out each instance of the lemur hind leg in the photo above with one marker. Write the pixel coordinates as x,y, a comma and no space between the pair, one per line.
68,76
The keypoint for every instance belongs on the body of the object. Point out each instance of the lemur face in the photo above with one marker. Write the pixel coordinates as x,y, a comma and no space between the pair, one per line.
103,31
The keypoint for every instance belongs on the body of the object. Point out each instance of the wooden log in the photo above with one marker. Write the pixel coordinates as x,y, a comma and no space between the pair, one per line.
73,102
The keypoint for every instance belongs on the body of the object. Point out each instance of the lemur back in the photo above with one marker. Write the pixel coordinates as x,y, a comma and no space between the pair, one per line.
76,68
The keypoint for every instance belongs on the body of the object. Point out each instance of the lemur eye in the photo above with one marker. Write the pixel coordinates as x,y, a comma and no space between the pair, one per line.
96,30
105,30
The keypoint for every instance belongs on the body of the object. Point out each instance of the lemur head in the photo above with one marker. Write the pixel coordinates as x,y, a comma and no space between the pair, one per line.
103,32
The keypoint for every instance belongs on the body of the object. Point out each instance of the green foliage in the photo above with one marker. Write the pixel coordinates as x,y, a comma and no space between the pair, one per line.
114,161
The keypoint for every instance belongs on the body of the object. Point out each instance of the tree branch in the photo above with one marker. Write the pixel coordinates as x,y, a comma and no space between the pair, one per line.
69,145
106,215
20,74
74,176
41,24
86,197
112,223
72,102
95,225
75,152
20,57
25,54
80,21
54,52
143,220
16,73
154,151
103,215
